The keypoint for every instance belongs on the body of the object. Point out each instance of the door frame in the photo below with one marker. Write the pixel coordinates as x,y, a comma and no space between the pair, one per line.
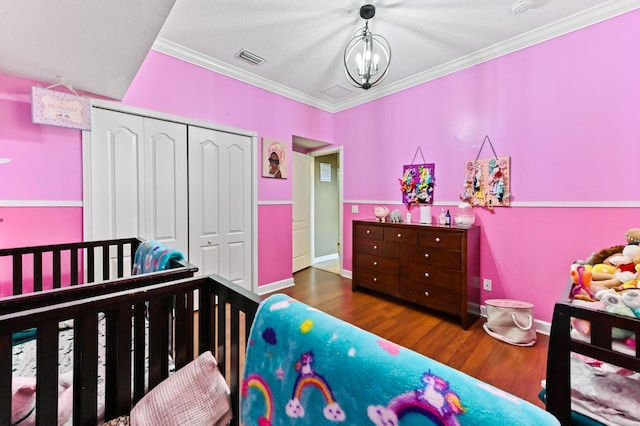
318,153
119,107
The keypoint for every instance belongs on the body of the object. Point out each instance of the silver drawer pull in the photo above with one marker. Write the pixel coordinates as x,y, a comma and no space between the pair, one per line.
209,242
426,293
368,231
375,280
375,263
375,247
426,255
426,275
437,239
399,235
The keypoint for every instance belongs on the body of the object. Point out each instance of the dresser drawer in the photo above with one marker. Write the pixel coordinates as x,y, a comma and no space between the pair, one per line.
377,248
372,231
440,238
438,298
431,275
384,283
404,235
431,256
377,263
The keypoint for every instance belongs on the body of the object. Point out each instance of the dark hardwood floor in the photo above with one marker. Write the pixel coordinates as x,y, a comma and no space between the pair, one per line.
517,370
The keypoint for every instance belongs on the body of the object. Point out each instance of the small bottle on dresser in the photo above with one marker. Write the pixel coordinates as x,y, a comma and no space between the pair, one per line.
448,219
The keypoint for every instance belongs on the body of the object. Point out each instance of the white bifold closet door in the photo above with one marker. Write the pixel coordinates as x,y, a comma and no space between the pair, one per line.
135,175
220,212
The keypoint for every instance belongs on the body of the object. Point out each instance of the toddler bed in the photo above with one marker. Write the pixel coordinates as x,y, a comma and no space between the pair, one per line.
152,320
593,359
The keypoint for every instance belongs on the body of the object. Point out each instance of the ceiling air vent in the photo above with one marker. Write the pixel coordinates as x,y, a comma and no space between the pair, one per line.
250,57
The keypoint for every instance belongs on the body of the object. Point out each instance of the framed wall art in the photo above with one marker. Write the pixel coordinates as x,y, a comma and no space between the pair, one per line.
274,159
417,183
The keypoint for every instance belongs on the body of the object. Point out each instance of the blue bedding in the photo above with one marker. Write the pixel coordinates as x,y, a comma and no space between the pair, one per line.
305,367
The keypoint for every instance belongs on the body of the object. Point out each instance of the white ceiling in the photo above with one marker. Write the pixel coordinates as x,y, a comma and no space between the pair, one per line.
97,46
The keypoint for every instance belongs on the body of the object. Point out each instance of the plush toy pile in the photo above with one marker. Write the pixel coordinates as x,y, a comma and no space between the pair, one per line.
610,280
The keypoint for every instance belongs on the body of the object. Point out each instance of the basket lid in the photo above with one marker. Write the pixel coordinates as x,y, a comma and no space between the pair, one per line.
508,303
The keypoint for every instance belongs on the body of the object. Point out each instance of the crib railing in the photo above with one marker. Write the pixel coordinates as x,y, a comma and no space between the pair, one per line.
225,315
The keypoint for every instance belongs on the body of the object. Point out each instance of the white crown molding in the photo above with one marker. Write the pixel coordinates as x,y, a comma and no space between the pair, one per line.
575,22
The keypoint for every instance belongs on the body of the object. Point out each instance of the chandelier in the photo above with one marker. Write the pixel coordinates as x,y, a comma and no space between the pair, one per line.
367,55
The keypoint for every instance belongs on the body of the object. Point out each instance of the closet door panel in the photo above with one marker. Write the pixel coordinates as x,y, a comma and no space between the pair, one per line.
166,194
114,178
220,203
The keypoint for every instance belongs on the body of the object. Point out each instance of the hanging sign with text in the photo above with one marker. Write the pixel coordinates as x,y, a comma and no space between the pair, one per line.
60,109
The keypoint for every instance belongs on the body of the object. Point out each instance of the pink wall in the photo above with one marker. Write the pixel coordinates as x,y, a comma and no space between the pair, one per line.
46,161
565,111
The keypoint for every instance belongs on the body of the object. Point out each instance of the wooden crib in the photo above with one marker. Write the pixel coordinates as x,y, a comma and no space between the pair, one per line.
225,314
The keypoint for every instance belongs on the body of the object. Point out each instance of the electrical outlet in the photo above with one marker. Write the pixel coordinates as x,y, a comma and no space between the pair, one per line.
354,209
486,284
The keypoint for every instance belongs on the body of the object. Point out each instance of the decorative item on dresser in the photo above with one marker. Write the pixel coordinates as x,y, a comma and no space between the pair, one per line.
435,266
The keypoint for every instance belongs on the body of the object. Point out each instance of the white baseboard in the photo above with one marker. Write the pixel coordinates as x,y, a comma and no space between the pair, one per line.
275,286
326,258
346,273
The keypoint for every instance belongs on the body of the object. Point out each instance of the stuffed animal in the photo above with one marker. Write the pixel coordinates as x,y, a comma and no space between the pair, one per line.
615,303
23,397
381,213
581,277
616,266
395,216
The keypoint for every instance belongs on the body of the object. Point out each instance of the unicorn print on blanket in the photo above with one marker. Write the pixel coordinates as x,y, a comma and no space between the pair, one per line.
434,400
309,378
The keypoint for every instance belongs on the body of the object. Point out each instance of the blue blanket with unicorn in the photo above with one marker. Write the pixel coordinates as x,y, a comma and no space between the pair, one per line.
305,367
153,256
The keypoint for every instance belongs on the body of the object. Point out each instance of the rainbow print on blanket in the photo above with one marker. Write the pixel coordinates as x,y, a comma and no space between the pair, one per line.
305,367
153,256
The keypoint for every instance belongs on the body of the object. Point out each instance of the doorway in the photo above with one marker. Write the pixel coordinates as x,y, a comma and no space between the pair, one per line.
317,206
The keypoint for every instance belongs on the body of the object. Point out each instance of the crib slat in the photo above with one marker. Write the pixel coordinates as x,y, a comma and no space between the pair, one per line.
221,325
17,274
5,378
85,369
205,340
118,363
105,262
234,372
91,261
37,271
139,352
57,271
184,338
74,267
158,341
120,260
47,374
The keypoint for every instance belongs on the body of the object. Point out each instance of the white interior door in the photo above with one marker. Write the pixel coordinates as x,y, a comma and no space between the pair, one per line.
220,212
135,180
302,192
165,189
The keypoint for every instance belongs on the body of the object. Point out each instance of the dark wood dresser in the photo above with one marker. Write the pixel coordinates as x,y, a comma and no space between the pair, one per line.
432,265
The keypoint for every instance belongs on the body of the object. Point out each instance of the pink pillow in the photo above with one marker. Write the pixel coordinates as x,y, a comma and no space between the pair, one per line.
197,394
23,401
